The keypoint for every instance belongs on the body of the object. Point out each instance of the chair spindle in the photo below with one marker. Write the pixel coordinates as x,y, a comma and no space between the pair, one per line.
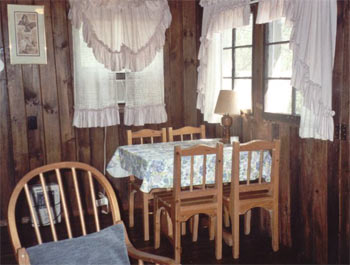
36,228
261,165
64,202
48,207
77,193
93,198
249,166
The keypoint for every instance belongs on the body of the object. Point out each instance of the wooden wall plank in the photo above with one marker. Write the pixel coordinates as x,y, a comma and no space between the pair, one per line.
176,93
64,78
190,51
16,105
6,158
50,103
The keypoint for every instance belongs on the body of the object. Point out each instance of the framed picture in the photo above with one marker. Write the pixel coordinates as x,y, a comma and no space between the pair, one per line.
27,34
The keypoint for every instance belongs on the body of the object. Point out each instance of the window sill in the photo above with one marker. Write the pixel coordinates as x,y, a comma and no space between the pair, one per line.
291,119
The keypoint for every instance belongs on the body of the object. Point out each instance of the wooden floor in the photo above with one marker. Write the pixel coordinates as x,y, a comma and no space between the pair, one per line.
254,249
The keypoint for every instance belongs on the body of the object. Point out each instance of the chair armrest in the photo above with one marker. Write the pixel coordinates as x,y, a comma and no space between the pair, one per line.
147,257
141,255
23,257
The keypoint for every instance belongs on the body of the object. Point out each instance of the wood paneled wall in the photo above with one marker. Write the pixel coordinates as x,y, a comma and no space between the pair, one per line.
314,186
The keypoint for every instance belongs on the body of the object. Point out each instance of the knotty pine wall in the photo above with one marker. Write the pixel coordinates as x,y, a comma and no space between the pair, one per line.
314,182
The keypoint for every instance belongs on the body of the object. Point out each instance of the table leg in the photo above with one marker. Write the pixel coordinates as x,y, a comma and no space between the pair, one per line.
145,198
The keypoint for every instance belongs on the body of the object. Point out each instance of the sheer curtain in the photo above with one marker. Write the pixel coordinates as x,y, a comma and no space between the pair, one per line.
95,94
124,34
145,94
218,16
313,45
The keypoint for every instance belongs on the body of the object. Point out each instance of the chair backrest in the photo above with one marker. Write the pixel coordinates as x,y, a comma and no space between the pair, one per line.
76,184
259,184
139,137
186,131
195,160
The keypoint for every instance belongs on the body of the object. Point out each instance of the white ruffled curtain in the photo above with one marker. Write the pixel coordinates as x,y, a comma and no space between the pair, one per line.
313,44
218,16
95,94
145,95
123,34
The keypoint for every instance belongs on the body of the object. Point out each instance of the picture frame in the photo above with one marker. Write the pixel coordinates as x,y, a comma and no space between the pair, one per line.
27,41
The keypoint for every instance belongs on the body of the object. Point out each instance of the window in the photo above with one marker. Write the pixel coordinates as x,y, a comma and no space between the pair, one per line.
99,92
280,97
237,49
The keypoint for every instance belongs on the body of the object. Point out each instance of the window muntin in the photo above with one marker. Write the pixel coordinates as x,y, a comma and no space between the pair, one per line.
237,49
280,97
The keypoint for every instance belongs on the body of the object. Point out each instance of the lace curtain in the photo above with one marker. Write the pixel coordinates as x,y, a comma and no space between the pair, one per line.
124,34
313,44
218,16
95,94
145,95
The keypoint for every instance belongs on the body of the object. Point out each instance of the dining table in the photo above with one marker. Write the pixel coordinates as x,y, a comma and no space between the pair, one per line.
153,165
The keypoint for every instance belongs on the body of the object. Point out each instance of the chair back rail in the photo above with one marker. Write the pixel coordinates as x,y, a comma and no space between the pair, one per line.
145,133
187,130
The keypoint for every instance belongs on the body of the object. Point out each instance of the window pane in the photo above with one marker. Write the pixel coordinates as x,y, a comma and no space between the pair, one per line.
226,38
243,87
278,97
279,60
243,62
226,84
278,31
244,35
227,63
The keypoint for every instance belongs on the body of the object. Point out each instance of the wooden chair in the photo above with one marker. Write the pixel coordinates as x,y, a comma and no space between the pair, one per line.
240,197
184,131
139,137
183,203
77,184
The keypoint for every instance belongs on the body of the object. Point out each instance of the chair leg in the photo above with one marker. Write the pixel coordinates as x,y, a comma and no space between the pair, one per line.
131,205
274,229
183,228
212,221
247,222
235,234
156,220
145,197
218,236
195,227
226,217
177,241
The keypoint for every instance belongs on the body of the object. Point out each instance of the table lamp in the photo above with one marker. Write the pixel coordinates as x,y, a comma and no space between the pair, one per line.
227,105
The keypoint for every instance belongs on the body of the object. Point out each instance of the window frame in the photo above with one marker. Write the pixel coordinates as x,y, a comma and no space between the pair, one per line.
289,118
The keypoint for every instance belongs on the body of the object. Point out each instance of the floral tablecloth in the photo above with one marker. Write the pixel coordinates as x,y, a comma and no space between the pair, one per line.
154,163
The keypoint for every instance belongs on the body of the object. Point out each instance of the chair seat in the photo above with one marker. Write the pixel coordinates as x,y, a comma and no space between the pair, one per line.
166,199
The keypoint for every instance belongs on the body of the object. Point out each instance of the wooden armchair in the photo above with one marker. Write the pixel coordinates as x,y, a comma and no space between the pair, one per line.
139,137
69,190
240,197
183,132
184,202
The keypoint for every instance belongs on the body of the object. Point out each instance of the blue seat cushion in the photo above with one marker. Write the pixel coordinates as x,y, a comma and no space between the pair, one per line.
104,247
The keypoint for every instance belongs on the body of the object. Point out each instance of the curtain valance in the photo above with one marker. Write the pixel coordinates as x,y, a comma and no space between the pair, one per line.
124,34
218,16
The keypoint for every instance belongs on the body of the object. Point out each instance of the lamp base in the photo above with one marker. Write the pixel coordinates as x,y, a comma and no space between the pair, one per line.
226,122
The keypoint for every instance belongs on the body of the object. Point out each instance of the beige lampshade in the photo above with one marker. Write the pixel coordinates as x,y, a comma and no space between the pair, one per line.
227,103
